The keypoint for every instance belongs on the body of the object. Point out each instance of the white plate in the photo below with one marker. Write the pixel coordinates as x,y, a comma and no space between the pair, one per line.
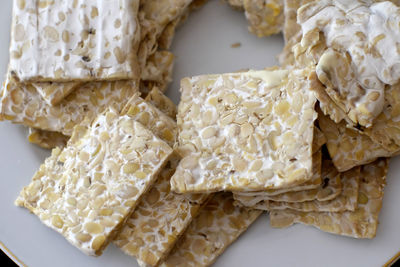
202,45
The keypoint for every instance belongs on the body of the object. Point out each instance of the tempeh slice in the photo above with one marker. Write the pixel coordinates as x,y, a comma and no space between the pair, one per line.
361,223
88,190
347,147
23,105
82,40
246,131
346,201
162,216
330,188
218,225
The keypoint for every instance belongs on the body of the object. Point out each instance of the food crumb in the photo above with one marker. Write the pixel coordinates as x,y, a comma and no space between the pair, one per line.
236,45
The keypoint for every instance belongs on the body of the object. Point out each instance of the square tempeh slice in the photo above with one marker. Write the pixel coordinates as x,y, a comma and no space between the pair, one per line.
53,93
23,105
248,131
330,188
88,190
162,102
266,17
218,225
345,201
361,223
46,139
162,216
82,40
347,147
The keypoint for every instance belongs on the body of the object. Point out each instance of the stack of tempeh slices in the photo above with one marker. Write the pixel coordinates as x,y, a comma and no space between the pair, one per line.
308,141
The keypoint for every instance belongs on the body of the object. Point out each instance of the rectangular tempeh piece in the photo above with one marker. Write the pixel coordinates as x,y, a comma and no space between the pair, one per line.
246,131
218,225
345,201
87,190
22,104
85,40
361,223
162,216
159,220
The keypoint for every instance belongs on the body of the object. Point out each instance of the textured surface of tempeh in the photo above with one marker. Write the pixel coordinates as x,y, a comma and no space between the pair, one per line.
46,139
53,93
361,223
330,188
345,201
347,147
245,131
87,190
162,216
360,56
162,102
86,40
23,105
152,118
159,220
314,183
154,16
158,71
218,225
265,17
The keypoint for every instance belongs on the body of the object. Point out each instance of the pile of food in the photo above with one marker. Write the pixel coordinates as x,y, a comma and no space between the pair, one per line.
307,141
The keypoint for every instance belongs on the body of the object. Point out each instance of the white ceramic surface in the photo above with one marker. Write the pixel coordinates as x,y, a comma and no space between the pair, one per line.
202,45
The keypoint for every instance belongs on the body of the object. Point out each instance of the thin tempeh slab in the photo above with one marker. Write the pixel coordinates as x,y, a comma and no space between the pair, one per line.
329,189
361,223
218,225
346,201
23,105
240,131
162,216
88,190
314,183
347,147
82,40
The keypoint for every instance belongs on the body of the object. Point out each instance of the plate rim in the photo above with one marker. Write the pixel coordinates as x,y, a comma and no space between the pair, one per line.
11,255
19,262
